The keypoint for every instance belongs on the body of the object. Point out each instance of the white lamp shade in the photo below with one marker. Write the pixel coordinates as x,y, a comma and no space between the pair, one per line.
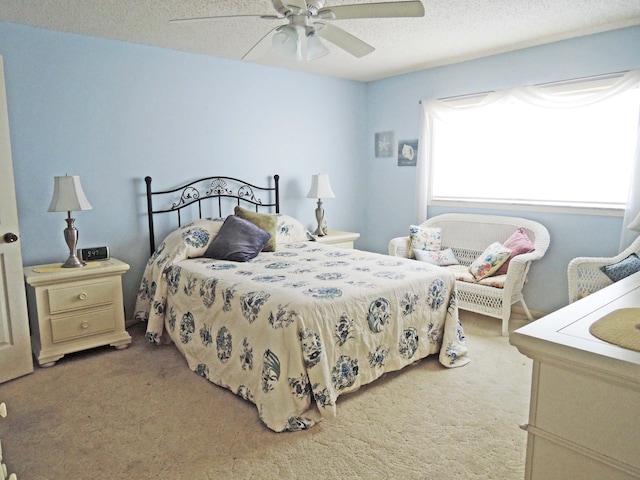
286,41
320,187
635,224
68,195
315,48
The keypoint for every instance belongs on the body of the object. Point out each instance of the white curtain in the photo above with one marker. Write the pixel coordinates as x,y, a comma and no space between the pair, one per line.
632,209
434,109
423,166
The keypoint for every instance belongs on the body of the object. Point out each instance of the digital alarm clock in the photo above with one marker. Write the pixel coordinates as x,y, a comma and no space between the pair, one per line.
93,254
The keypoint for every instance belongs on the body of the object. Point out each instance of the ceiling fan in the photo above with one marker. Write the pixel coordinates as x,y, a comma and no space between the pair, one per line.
310,20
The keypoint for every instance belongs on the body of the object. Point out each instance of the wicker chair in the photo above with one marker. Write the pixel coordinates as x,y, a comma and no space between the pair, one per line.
585,276
468,235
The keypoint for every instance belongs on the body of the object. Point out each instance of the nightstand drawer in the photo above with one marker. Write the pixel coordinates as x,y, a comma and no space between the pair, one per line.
80,296
81,325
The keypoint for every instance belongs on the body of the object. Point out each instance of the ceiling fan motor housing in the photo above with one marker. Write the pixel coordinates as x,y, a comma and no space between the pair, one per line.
284,7
314,5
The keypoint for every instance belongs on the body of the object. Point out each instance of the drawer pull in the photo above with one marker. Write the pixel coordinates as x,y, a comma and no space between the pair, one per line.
82,296
84,324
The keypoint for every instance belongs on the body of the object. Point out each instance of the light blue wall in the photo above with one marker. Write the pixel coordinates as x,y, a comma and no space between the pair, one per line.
393,105
114,112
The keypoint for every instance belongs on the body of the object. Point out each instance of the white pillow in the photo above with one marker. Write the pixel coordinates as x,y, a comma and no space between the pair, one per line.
290,230
442,257
190,240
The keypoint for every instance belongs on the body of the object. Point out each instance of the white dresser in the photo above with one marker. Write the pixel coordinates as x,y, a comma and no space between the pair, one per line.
584,418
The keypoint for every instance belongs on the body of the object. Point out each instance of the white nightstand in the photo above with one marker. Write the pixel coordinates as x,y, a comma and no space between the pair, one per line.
338,239
73,309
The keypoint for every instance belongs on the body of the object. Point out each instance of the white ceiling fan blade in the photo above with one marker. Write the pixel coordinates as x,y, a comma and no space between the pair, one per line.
412,8
343,39
206,19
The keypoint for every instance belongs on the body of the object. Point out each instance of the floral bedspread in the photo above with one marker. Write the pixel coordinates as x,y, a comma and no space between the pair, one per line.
293,329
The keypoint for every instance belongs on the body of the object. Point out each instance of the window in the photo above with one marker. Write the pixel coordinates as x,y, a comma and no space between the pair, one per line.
569,145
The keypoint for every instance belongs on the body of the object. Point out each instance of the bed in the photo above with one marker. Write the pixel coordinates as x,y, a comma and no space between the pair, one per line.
293,328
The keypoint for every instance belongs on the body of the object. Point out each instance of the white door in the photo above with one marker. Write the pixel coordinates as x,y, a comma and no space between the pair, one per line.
15,344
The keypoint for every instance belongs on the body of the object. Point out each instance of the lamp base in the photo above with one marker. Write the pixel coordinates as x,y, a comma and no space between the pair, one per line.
73,262
71,237
320,218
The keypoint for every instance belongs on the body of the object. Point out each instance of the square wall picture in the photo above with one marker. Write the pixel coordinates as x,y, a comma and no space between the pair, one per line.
407,153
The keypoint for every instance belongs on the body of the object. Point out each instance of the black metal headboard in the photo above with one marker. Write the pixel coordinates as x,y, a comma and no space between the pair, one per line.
211,187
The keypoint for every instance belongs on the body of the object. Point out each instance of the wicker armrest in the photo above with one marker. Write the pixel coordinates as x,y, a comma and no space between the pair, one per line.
399,247
585,277
584,274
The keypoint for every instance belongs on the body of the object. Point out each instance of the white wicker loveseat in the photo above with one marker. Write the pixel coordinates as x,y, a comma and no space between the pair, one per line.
468,235
585,275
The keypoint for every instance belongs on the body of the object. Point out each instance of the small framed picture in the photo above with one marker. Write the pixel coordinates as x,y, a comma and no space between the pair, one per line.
384,146
407,153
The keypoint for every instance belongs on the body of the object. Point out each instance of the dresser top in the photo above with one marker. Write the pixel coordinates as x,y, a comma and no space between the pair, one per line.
564,334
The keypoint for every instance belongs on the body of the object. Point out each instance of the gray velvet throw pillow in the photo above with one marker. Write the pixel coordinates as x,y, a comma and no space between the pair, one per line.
238,240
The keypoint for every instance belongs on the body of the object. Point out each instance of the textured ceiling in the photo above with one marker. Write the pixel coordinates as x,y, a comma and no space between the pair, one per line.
450,31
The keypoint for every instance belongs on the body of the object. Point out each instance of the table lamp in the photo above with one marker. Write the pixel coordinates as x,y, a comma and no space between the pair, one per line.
68,197
320,188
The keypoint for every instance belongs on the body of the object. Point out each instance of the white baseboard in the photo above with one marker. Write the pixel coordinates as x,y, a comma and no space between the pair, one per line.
518,312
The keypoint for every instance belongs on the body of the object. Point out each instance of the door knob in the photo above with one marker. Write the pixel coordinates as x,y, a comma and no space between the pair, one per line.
10,237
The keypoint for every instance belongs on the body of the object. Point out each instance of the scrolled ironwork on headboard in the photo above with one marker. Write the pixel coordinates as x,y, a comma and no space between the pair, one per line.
211,187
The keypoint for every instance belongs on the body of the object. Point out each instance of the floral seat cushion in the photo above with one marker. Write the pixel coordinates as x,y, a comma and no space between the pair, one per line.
463,274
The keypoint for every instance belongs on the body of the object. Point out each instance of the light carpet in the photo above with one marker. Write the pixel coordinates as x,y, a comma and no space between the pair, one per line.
140,414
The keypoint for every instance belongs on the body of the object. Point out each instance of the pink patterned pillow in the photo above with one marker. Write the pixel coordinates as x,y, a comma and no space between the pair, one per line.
519,243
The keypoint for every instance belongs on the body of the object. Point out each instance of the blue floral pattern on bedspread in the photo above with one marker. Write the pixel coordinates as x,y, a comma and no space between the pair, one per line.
292,330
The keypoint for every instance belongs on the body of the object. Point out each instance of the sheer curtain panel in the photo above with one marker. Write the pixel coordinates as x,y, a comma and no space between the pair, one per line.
560,103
